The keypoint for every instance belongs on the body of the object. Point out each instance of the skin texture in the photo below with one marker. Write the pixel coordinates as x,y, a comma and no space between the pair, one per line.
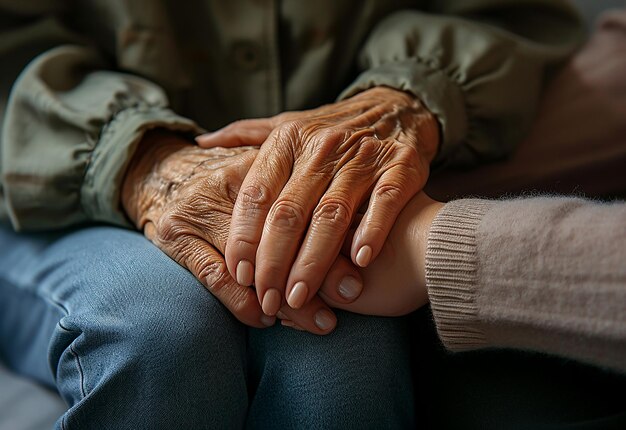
314,170
182,196
395,283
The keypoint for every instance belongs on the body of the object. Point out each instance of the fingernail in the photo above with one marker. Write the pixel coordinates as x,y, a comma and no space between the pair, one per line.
245,273
364,255
287,323
267,320
349,287
324,320
298,295
271,302
281,315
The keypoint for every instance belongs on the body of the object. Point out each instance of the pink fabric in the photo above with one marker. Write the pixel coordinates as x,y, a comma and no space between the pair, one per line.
578,142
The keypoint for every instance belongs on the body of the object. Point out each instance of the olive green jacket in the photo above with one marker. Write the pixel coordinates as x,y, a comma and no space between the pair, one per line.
80,81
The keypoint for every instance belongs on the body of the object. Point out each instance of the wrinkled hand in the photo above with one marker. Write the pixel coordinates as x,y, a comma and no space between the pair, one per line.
313,172
182,197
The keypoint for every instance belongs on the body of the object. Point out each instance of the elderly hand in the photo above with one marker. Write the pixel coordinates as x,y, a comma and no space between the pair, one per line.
182,197
313,172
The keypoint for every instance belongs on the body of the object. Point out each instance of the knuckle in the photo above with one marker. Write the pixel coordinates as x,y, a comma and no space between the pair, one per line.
334,212
290,128
217,177
216,275
331,137
221,188
376,228
171,226
329,142
286,137
410,156
240,242
369,151
410,169
311,264
389,191
287,215
254,196
241,304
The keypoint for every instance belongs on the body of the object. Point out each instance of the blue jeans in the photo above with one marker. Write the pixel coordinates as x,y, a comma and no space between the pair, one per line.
131,340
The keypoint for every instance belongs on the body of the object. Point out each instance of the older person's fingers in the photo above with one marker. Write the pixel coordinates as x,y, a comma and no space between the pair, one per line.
208,265
304,153
282,234
246,132
330,221
290,218
263,183
315,317
391,193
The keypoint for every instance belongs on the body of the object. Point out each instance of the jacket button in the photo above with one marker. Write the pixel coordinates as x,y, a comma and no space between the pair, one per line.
246,55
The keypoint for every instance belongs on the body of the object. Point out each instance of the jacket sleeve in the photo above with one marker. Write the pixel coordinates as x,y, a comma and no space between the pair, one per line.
477,65
543,274
70,122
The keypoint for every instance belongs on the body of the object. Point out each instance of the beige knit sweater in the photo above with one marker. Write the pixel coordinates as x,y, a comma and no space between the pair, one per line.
544,274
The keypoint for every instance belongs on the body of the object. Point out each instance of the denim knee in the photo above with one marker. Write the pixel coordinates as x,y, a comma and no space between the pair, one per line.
136,320
118,280
359,376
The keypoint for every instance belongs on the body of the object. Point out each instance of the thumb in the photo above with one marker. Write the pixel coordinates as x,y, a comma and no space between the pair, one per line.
245,132
343,283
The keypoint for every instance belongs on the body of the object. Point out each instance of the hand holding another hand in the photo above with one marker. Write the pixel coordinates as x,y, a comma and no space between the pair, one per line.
182,196
394,284
314,170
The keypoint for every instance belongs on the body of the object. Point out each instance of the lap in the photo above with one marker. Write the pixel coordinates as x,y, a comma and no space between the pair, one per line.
93,288
84,307
359,376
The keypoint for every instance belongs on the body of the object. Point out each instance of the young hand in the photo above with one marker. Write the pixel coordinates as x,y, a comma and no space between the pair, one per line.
395,283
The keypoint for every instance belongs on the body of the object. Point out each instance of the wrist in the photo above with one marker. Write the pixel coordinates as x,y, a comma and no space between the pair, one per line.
429,135
423,215
427,131
155,147
423,123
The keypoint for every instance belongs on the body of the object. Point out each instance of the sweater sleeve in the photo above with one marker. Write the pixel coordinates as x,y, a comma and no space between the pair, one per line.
479,66
71,122
542,274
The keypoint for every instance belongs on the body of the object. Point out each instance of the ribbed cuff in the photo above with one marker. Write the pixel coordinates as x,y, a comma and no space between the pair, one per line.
451,273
